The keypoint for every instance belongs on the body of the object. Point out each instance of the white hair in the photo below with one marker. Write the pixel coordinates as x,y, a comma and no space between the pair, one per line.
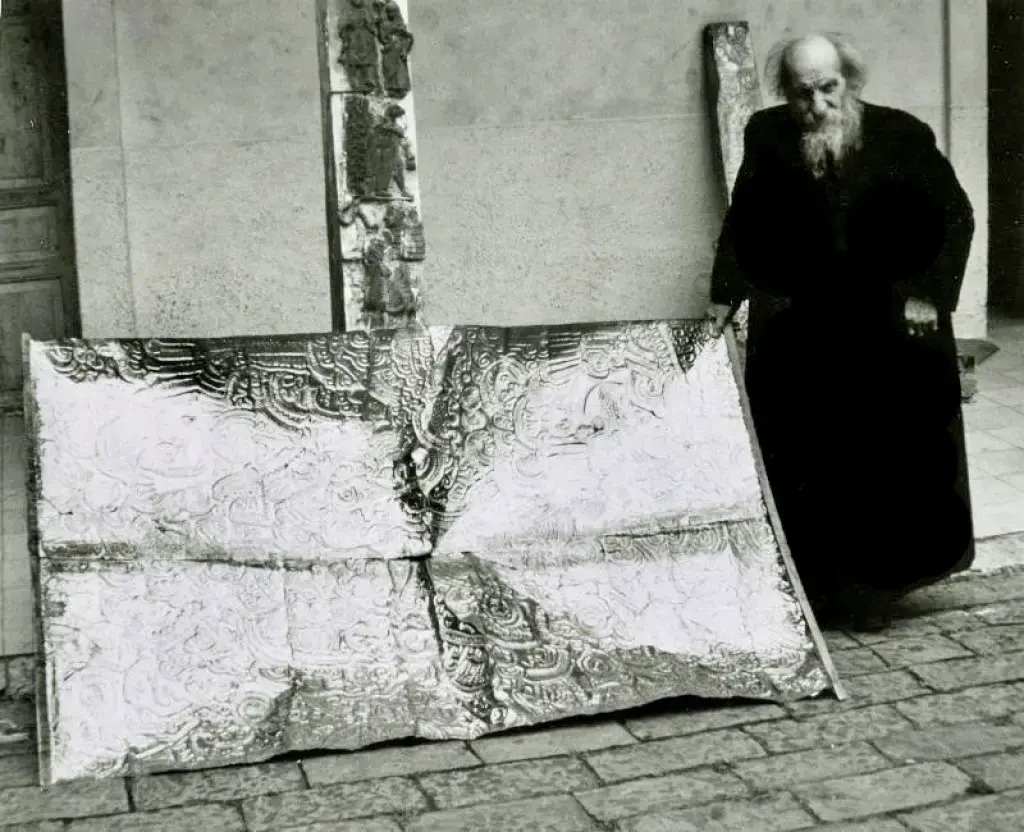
851,63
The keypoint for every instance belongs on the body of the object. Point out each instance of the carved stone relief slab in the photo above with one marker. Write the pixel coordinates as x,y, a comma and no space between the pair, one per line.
378,202
249,546
736,94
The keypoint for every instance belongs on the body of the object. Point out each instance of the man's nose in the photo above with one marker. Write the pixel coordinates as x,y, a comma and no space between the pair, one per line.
818,105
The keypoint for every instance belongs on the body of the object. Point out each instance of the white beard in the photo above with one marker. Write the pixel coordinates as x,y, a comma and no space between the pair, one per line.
833,138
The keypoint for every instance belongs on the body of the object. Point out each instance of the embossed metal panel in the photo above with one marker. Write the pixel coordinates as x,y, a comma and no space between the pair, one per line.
244,547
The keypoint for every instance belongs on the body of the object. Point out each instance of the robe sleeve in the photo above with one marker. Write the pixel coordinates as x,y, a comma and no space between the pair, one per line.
941,281
729,285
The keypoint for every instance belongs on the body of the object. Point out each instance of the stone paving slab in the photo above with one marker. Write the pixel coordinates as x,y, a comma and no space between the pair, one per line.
634,797
208,817
552,742
664,756
872,689
992,640
782,770
167,790
333,803
773,813
998,813
884,791
998,772
509,781
866,723
950,742
982,702
558,813
388,762
931,739
681,721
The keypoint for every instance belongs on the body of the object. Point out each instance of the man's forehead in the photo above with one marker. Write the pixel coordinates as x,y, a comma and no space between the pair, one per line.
813,60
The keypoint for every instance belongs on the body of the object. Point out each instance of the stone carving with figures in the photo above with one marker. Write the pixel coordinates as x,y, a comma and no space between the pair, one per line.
249,546
393,155
381,244
381,230
396,44
375,47
360,52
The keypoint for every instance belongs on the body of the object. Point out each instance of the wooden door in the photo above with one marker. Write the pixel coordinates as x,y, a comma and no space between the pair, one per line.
38,292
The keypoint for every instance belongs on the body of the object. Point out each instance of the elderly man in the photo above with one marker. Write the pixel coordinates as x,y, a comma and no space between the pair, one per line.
849,233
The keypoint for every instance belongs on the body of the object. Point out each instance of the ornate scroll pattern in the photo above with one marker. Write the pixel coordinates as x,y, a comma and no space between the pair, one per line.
571,432
231,450
528,637
199,665
162,665
291,383
365,656
689,339
229,538
732,71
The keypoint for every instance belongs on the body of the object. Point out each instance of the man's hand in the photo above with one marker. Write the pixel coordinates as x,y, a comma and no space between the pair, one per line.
721,314
921,316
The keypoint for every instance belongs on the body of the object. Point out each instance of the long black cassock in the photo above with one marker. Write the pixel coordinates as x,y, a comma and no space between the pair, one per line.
859,421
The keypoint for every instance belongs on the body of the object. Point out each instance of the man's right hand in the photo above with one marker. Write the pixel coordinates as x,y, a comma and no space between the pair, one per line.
722,315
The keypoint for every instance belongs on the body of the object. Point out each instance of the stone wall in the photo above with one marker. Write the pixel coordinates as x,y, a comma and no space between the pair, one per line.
197,166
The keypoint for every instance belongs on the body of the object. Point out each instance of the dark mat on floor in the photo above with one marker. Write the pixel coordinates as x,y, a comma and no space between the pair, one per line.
977,348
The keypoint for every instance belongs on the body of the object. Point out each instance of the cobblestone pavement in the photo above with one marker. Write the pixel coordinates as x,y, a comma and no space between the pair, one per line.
932,739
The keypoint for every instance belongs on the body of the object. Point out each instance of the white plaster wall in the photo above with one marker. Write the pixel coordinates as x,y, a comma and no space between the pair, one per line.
197,167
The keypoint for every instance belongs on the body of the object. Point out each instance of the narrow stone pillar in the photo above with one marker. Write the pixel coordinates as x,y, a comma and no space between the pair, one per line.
735,94
374,180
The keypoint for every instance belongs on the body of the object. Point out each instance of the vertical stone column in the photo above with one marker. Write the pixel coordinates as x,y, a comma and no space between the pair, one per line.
967,135
375,182
735,94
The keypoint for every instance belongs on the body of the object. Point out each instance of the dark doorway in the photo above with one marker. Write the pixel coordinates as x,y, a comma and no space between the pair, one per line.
38,291
1006,157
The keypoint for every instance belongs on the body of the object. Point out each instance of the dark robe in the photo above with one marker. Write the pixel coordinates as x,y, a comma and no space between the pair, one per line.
859,422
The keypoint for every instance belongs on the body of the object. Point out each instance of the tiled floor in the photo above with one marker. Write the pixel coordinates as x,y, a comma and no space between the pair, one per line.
995,437
995,440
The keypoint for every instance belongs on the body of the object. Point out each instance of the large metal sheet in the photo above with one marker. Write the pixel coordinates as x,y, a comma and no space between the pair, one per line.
244,547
